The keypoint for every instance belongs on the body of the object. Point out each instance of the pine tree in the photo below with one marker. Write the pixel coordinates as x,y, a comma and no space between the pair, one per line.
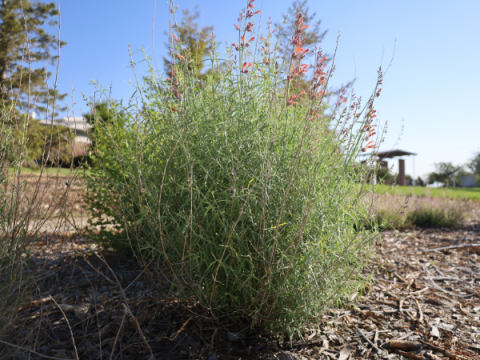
23,44
313,35
25,51
313,38
193,39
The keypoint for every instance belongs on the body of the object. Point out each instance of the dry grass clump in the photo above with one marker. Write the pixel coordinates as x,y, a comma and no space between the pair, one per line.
400,212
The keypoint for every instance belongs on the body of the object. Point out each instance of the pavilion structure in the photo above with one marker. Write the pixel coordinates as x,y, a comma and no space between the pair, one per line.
401,180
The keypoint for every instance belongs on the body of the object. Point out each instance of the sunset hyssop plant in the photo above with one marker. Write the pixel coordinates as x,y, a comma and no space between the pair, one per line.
237,187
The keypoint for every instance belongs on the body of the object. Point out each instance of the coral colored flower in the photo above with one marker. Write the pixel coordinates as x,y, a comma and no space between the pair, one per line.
235,46
370,145
378,93
245,67
180,57
249,27
250,14
299,51
294,97
175,37
236,26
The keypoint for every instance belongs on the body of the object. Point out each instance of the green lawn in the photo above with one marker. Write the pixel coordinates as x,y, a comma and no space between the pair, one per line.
458,193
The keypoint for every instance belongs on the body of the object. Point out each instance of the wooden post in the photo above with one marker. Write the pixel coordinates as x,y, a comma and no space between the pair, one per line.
401,172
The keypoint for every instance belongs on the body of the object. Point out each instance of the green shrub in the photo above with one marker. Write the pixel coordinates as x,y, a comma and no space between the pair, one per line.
240,190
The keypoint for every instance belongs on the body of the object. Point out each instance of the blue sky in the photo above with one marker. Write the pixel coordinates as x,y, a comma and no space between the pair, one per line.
431,88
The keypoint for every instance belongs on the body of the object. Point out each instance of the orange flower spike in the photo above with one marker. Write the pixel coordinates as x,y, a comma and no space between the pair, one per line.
261,37
243,39
370,145
243,67
249,41
250,14
180,57
304,27
176,39
236,26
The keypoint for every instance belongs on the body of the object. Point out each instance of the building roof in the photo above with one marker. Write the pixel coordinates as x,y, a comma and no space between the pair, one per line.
71,122
393,153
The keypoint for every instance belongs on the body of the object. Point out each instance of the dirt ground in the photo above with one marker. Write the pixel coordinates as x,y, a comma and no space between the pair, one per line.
424,303
59,206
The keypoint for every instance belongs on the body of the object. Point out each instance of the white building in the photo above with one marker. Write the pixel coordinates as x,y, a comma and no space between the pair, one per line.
79,126
436,184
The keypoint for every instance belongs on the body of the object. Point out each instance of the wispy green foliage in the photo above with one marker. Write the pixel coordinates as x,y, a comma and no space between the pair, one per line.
236,189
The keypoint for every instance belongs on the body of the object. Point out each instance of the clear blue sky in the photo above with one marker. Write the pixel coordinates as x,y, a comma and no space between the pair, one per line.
432,85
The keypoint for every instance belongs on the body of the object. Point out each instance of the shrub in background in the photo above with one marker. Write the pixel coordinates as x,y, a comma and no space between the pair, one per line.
241,190
400,212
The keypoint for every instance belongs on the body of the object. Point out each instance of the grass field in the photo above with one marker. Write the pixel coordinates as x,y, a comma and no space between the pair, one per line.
457,193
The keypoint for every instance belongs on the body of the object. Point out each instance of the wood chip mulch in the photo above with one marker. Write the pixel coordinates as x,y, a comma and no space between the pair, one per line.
424,303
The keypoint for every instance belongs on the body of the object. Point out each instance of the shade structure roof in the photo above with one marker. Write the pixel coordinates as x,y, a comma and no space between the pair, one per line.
393,153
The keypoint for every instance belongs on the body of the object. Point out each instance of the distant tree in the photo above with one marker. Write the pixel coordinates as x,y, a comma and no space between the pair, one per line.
443,173
313,37
419,182
23,87
474,164
23,43
193,39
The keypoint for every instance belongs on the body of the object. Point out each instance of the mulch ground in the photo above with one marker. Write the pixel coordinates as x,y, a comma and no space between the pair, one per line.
424,303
